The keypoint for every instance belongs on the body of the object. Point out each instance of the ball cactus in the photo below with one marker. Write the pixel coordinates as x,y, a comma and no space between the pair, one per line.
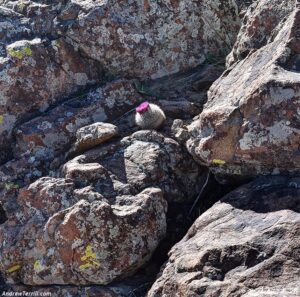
149,116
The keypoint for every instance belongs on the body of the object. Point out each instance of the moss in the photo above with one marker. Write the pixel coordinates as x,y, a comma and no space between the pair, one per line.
19,54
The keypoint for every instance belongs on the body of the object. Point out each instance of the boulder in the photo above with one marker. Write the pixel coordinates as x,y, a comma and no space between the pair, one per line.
35,75
250,124
261,23
149,39
74,236
102,218
246,245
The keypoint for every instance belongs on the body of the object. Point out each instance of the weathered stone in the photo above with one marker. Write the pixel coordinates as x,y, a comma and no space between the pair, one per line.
152,39
51,49
246,245
260,25
35,75
250,124
93,135
54,132
68,236
180,131
103,219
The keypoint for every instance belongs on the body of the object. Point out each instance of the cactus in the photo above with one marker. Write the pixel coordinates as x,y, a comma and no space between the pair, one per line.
149,116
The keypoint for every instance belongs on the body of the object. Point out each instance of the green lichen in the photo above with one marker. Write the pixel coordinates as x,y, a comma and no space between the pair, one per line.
20,53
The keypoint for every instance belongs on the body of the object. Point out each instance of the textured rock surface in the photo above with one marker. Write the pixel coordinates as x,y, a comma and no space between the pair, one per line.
76,236
102,219
250,124
246,245
53,133
260,25
50,49
35,75
152,39
92,135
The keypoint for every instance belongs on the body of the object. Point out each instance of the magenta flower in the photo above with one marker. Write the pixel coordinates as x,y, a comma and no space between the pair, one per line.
143,107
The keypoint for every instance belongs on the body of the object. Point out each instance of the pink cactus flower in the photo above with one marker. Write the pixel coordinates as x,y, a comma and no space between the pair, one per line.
143,107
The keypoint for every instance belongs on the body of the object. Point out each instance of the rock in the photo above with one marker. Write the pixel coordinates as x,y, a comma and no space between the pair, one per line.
180,131
250,124
35,75
145,159
53,133
103,218
260,25
48,51
245,245
134,286
150,40
93,135
75,236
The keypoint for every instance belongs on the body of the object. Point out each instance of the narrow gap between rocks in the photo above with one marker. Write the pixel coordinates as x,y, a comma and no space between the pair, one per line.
178,223
3,217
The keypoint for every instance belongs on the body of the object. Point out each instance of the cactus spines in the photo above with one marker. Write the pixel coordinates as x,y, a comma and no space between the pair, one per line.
149,116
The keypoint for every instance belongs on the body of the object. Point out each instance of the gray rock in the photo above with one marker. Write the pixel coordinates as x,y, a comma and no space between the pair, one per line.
245,245
93,135
250,124
103,218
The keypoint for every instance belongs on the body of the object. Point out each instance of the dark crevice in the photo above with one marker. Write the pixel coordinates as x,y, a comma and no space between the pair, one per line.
3,217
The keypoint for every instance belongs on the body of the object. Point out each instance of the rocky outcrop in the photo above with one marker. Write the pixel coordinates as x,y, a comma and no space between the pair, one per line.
103,218
163,37
54,132
245,245
50,50
35,75
260,25
250,124
76,236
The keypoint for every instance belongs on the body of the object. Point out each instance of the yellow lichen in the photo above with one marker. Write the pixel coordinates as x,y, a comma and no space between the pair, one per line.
88,254
218,162
1,119
89,257
85,266
27,51
37,265
14,268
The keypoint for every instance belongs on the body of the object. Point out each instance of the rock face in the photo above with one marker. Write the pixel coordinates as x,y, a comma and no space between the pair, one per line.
245,245
260,25
103,218
250,124
151,39
76,236
46,137
51,49
35,75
